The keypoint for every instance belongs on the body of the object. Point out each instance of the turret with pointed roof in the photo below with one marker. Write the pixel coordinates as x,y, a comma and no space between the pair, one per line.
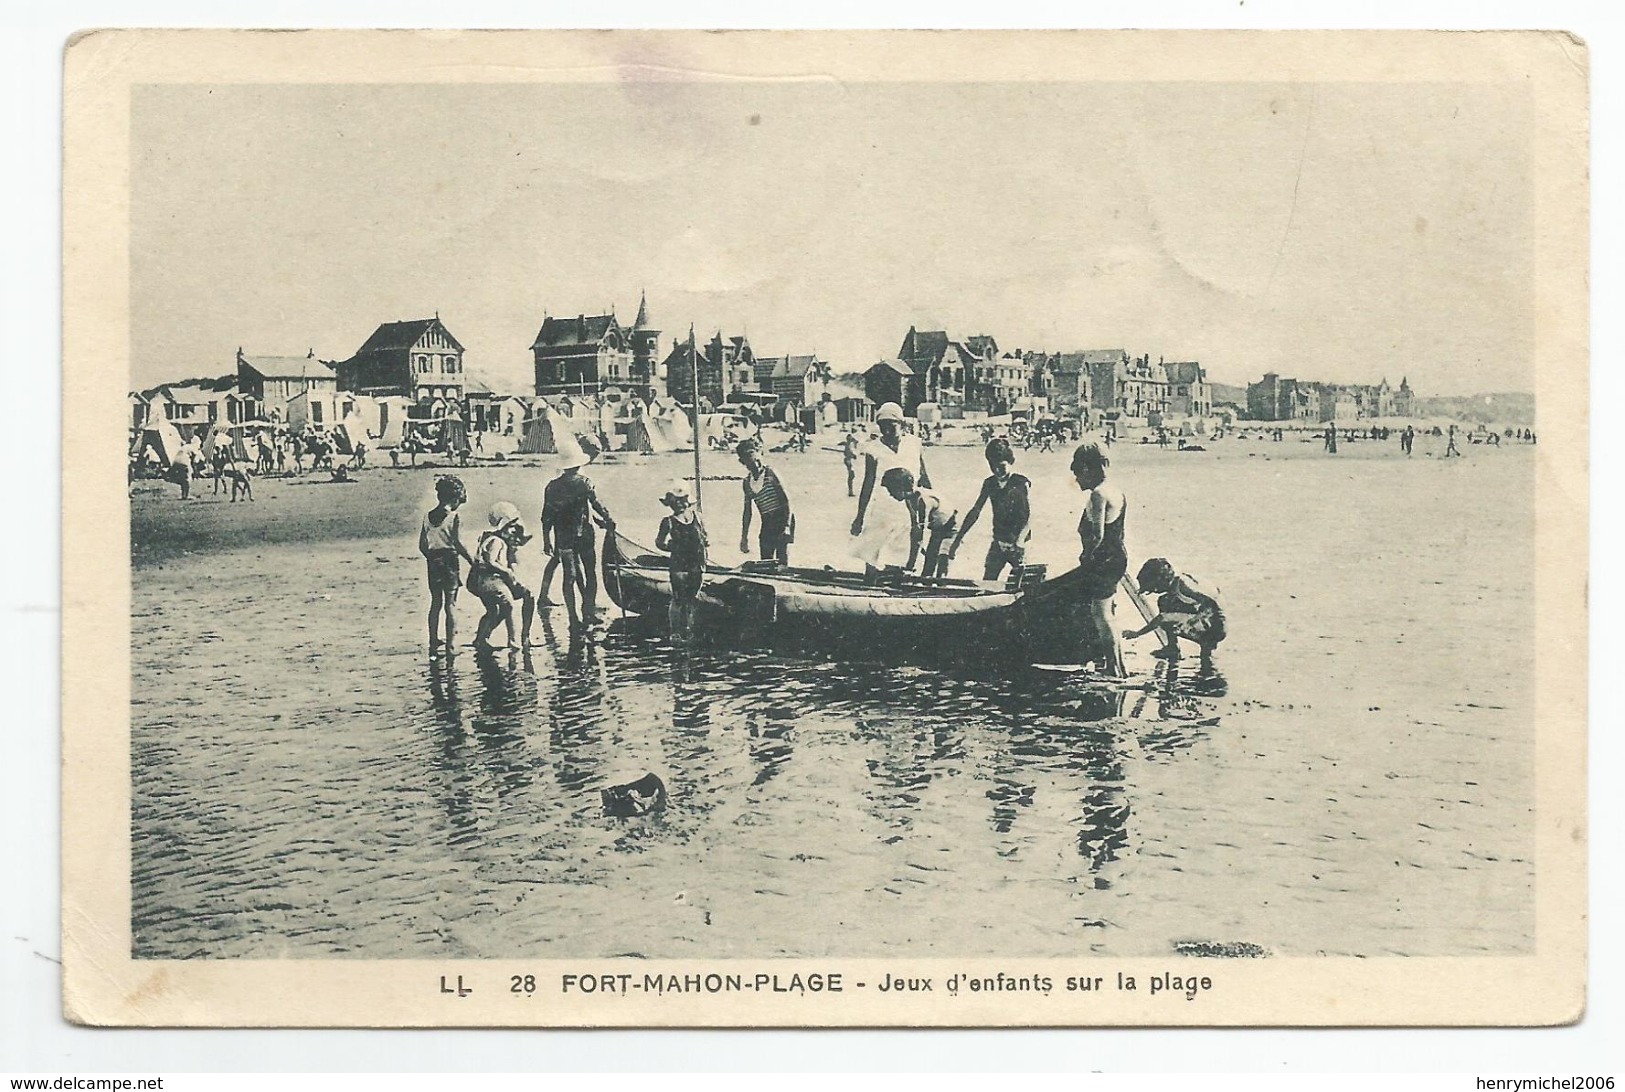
645,346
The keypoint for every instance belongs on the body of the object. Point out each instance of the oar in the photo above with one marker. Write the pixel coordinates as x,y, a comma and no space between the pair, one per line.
1144,608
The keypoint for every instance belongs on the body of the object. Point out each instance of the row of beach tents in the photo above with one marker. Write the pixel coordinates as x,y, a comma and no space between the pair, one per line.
381,424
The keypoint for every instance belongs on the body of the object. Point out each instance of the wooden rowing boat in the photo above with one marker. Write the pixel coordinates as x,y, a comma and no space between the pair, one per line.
891,617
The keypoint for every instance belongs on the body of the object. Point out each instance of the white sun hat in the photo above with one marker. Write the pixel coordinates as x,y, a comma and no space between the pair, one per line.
503,513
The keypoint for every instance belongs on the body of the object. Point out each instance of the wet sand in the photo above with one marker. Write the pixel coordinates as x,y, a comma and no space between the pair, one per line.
308,782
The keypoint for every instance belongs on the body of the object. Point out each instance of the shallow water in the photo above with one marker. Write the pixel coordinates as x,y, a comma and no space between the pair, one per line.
307,781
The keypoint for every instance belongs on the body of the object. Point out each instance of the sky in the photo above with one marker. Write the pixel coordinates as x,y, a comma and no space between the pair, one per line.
1339,232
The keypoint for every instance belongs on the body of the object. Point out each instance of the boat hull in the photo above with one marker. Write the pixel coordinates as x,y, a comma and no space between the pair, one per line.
842,614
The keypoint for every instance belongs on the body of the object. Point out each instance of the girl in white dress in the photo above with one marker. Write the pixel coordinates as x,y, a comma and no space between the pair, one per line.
880,533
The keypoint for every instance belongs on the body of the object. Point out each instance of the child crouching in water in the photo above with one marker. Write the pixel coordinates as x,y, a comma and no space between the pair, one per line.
492,576
682,534
1183,610
929,520
441,544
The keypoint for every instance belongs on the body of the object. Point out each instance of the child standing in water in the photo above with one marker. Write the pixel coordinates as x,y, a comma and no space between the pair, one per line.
568,505
1103,560
1012,512
766,493
1183,610
492,577
929,518
441,544
682,534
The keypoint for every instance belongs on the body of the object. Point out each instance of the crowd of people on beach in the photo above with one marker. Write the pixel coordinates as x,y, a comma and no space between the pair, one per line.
233,463
902,524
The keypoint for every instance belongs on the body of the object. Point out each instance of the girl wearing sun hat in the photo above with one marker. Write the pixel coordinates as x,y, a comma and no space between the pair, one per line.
682,534
492,576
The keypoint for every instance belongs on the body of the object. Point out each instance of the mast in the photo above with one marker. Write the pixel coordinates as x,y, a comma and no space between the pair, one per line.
694,383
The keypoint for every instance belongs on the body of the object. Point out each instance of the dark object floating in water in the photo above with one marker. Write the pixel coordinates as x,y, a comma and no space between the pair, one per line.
1215,949
646,794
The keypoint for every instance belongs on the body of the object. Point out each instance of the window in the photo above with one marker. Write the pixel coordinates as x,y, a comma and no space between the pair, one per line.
315,413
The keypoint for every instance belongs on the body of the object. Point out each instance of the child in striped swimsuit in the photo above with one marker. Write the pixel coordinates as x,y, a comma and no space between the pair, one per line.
766,493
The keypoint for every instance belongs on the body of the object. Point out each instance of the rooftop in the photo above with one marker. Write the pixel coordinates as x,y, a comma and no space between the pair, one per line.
559,333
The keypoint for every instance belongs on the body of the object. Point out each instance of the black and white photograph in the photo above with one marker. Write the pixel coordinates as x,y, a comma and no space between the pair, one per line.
819,529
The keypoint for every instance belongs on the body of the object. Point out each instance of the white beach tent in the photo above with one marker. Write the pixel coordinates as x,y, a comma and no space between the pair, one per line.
350,432
387,420
541,434
161,437
649,434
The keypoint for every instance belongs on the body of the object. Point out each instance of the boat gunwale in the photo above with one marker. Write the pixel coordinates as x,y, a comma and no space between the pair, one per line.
850,589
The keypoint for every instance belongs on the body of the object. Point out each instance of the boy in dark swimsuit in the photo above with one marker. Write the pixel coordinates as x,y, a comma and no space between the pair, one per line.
568,505
1012,512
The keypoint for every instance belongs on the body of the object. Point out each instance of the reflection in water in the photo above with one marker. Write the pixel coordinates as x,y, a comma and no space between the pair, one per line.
555,775
451,757
507,695
575,718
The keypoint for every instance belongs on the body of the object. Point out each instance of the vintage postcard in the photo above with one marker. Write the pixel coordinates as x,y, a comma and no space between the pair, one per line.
825,529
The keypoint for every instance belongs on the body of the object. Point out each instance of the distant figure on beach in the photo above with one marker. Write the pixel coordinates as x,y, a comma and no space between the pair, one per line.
882,529
1103,561
180,472
930,520
298,454
358,460
766,493
1331,439
1012,512
849,456
568,505
492,578
440,542
1407,440
1450,447
682,535
219,459
1183,610
237,475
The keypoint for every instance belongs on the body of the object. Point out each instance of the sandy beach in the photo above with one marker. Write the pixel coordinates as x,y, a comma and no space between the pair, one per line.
307,782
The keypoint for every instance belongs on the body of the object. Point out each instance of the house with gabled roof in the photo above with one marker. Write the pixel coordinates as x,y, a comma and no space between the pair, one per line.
589,354
796,379
893,380
414,358
727,369
957,375
1188,394
270,381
